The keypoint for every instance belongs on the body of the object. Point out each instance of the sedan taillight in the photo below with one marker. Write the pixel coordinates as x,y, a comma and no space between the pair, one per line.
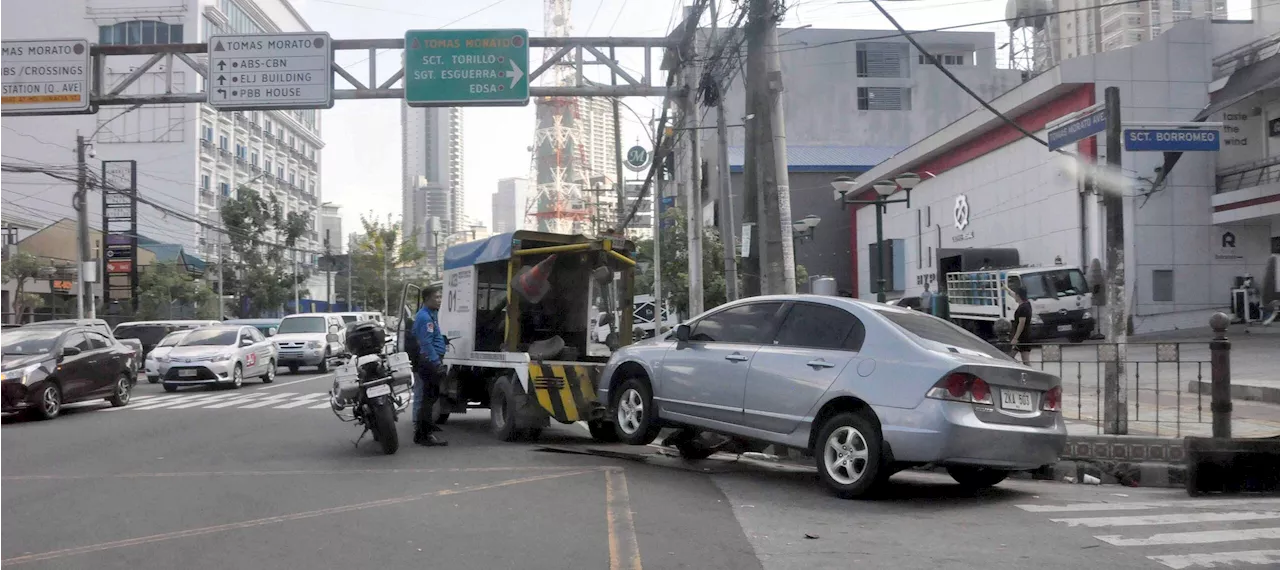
961,387
1053,400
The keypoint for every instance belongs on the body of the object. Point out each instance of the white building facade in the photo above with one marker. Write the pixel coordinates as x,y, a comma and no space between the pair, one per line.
990,187
190,158
1083,27
594,137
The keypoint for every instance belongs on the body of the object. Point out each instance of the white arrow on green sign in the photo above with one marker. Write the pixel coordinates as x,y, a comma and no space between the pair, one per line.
466,67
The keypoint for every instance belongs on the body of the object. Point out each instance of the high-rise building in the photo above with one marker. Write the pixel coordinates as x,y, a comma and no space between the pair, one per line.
595,138
190,157
509,204
331,228
432,163
1083,27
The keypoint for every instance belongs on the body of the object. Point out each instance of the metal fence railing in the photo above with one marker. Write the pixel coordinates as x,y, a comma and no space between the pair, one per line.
1158,392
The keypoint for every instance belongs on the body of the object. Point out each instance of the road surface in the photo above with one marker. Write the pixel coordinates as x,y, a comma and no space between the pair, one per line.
266,477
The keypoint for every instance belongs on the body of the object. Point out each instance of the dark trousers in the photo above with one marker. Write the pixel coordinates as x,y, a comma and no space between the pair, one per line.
426,390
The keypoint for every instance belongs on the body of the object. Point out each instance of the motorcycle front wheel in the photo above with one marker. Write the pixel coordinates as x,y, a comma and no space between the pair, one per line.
384,424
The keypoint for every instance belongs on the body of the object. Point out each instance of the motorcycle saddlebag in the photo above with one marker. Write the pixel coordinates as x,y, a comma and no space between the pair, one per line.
346,389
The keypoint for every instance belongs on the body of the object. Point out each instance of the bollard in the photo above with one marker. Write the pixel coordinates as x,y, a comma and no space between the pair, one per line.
1220,373
1004,335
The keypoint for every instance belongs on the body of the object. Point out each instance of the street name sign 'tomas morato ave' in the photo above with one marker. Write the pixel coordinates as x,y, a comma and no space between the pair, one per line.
44,77
271,71
466,67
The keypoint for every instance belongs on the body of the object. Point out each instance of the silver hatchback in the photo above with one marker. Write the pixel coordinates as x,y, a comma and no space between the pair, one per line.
868,389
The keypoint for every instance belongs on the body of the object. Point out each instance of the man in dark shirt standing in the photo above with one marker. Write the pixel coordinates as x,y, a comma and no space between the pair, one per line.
1022,325
429,368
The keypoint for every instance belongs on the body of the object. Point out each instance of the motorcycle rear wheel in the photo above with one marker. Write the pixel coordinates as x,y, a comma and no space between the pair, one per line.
384,426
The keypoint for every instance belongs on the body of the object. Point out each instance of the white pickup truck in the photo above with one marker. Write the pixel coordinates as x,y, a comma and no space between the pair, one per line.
1061,300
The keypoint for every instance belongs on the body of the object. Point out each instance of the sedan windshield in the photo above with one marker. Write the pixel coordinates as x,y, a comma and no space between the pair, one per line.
30,341
940,331
213,337
301,325
173,338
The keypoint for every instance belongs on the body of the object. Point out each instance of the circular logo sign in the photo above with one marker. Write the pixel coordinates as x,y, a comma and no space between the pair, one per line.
637,158
961,212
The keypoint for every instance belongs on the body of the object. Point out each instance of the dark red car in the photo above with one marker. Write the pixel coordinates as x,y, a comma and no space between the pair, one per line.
43,368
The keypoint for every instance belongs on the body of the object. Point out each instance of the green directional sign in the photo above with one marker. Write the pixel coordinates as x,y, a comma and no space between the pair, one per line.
466,67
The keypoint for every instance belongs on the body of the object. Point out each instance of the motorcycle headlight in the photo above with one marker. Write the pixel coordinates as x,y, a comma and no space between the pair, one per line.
19,374
313,344
222,357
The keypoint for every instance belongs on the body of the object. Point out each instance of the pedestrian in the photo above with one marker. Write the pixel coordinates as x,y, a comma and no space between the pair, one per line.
429,368
1022,326
926,300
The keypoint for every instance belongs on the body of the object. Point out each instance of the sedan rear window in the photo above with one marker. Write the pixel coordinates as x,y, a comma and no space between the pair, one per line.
940,331
820,326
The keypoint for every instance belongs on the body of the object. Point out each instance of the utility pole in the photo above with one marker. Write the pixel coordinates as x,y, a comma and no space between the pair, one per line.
222,278
83,293
727,229
1116,412
692,176
617,152
328,275
659,156
756,259
773,198
297,302
781,188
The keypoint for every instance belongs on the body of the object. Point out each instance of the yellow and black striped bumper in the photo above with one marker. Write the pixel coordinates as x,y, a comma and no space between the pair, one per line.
566,391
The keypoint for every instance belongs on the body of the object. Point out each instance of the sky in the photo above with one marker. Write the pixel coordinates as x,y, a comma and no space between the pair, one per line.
361,168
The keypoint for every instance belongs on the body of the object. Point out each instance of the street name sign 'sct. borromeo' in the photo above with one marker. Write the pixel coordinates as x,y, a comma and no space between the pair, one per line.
466,67
45,77
271,71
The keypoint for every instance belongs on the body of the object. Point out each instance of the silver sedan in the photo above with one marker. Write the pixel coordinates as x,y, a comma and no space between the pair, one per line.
867,389
219,356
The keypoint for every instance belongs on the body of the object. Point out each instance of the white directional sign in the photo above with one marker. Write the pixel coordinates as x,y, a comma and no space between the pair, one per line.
45,77
271,71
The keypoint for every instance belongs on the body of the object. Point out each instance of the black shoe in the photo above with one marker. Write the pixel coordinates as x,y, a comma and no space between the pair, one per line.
418,433
432,440
433,428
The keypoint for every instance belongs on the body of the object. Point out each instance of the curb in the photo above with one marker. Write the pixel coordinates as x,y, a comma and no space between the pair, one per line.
1148,474
1267,394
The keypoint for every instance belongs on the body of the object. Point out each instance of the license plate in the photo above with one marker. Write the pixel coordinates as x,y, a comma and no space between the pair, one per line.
1064,328
186,373
1017,400
380,390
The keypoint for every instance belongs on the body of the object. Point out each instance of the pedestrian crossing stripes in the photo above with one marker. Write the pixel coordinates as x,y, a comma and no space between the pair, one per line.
1180,524
232,400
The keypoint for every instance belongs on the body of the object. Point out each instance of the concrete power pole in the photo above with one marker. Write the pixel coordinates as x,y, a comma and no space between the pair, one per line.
693,178
773,192
1115,401
617,153
84,294
725,191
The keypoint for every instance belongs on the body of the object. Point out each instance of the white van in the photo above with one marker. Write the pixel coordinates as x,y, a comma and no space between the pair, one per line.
309,339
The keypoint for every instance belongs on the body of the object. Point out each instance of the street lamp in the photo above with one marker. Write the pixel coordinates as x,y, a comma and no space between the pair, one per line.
802,229
884,188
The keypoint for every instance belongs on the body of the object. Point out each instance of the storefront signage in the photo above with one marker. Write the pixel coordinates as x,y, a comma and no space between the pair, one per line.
1078,128
961,212
1225,247
1172,140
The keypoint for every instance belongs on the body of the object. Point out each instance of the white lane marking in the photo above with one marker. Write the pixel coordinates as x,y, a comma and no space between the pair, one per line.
1194,537
241,400
1218,559
167,401
133,403
275,398
1180,518
199,401
301,401
274,386
324,406
1147,505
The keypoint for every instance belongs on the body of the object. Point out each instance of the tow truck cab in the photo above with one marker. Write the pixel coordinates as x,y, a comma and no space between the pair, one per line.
518,311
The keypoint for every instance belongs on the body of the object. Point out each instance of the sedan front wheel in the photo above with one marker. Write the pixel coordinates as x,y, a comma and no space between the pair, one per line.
50,403
634,413
123,392
849,455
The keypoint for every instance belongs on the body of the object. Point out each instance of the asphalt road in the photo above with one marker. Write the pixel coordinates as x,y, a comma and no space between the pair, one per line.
265,477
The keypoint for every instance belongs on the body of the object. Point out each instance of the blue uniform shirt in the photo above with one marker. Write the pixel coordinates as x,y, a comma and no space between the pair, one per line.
426,330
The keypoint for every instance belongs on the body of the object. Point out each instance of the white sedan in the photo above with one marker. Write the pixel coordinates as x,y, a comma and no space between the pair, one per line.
154,367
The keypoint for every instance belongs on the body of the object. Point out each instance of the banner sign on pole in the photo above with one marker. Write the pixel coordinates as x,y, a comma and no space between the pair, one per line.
120,226
1076,129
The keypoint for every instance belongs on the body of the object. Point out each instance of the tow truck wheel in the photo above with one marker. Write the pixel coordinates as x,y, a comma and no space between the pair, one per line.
502,410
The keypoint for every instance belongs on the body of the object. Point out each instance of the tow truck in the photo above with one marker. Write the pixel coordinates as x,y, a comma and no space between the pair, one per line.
520,312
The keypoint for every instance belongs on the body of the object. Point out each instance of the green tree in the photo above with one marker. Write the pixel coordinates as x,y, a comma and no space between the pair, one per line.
167,291
675,265
381,257
262,239
20,268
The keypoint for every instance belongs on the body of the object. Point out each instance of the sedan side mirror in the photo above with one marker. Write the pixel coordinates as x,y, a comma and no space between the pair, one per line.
332,337
70,351
682,333
246,342
272,331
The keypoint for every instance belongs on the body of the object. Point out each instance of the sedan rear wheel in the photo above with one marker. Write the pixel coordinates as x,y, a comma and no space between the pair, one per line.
50,404
123,392
976,477
849,456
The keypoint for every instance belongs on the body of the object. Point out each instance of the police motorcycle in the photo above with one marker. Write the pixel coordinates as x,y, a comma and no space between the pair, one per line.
373,384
